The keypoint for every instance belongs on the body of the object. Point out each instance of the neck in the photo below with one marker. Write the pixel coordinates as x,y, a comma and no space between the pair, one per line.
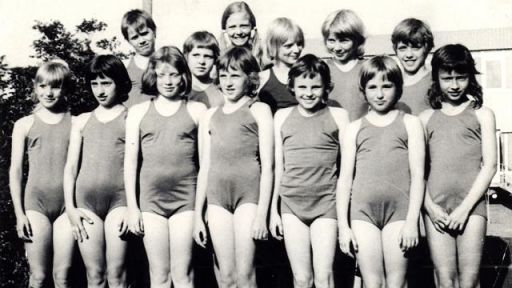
202,82
311,112
347,65
281,71
411,78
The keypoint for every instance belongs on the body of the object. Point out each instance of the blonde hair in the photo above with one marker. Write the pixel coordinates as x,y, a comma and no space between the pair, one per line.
55,73
279,32
345,23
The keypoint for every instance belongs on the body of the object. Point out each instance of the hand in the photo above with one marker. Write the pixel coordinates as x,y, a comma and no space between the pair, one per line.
76,218
135,223
122,227
408,237
276,226
458,219
200,234
347,241
24,228
438,216
259,228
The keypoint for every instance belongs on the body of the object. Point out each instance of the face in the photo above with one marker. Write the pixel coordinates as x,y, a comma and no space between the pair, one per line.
143,41
343,49
289,52
233,83
238,28
453,85
47,95
309,91
200,61
411,57
104,90
168,80
380,93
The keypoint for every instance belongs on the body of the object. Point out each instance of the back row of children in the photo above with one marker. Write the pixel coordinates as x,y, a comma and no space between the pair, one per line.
168,167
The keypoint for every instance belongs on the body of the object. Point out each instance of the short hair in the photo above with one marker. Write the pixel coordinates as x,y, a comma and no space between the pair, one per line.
279,32
202,39
385,65
110,66
138,19
56,73
345,23
166,55
413,31
241,59
454,57
309,65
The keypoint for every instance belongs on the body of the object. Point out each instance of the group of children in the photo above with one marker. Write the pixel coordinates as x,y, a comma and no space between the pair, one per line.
320,153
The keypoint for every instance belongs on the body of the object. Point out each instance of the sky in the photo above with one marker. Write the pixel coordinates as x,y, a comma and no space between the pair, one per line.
176,19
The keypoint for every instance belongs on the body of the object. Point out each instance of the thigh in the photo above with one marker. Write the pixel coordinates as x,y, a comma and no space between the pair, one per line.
181,240
297,242
220,222
245,247
443,250
369,255
469,248
39,249
156,241
92,248
395,262
116,245
63,243
324,233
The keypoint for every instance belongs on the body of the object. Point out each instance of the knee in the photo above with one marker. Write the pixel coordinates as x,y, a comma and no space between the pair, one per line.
375,282
324,279
95,276
447,279
303,280
469,279
227,279
396,280
160,278
182,276
60,278
246,278
37,279
116,276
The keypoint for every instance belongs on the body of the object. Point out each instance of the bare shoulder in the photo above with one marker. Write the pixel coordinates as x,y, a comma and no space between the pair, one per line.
80,120
484,113
264,76
260,108
412,120
353,128
138,110
338,113
23,124
426,115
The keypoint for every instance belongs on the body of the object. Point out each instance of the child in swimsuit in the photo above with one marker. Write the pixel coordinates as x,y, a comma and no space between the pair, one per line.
39,208
236,170
307,138
284,42
343,33
381,179
202,50
161,139
238,25
412,41
94,175
462,148
139,30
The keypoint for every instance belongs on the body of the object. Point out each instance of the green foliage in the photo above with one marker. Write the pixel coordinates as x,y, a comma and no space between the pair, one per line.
15,102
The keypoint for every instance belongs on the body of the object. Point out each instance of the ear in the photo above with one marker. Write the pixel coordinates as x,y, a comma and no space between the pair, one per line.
253,33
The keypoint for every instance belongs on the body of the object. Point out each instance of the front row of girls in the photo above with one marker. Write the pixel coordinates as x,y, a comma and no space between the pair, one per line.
156,148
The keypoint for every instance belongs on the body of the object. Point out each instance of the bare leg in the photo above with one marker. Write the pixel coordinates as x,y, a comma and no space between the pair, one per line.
245,247
181,226
298,247
156,243
443,250
221,228
395,262
370,255
92,250
116,249
63,248
469,247
39,250
324,232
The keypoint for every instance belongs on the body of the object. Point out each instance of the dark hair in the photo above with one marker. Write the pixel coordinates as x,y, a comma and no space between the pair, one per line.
454,57
172,56
137,18
202,39
414,32
241,59
385,65
110,66
309,65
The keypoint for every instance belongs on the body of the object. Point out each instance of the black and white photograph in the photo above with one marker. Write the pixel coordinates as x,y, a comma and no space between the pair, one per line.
256,144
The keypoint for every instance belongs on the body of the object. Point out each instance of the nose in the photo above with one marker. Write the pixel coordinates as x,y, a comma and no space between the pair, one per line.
379,94
408,52
454,84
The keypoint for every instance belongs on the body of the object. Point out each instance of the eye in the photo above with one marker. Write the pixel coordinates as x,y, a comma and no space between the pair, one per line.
371,86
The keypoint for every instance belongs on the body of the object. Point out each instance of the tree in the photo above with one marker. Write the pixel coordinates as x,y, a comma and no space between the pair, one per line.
76,49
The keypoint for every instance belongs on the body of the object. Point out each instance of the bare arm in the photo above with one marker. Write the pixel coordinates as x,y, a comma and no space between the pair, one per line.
263,116
19,134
